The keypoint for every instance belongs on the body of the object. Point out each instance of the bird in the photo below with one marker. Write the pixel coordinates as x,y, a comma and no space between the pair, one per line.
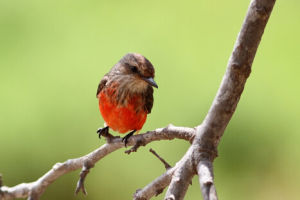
125,95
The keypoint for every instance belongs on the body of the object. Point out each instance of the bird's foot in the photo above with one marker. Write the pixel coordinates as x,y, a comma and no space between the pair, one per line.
104,132
126,137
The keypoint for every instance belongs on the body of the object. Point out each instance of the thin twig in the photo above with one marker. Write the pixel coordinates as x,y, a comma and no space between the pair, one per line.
84,172
167,166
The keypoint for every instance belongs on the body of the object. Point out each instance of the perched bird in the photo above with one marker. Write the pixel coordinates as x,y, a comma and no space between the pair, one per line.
125,95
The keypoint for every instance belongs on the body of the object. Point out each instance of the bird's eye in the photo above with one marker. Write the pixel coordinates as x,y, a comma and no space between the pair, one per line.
134,69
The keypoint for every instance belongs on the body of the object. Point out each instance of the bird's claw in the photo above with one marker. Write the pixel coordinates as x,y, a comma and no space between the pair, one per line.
103,131
125,140
126,137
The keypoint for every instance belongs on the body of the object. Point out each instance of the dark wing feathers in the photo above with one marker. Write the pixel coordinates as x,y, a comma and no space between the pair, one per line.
149,99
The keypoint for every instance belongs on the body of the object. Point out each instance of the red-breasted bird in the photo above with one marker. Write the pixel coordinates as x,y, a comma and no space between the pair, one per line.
125,95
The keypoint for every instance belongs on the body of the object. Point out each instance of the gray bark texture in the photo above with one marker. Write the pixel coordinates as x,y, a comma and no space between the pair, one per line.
203,150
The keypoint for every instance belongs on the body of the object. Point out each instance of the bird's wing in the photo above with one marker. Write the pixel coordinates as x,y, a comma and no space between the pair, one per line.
149,99
101,84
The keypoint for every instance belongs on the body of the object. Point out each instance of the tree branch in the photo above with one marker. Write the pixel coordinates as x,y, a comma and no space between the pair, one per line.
34,189
181,178
204,146
206,180
156,187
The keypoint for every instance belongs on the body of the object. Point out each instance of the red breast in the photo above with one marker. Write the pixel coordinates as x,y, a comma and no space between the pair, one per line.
121,117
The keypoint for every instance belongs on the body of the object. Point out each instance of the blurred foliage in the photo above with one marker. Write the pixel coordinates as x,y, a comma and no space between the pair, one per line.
53,54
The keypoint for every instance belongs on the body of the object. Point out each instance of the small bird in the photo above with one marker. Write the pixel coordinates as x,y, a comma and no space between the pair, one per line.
125,95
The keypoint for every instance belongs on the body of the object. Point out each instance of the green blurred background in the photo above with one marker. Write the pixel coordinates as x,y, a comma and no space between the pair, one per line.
53,54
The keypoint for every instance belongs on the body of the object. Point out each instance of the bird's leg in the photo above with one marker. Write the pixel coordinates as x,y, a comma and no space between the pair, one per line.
126,137
104,132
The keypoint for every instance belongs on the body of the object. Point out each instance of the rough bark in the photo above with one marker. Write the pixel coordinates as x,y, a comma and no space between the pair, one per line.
209,133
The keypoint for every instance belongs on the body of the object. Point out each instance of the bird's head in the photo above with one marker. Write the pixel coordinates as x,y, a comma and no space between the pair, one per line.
137,70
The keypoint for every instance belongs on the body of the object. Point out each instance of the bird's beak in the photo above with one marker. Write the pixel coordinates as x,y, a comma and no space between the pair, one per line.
151,82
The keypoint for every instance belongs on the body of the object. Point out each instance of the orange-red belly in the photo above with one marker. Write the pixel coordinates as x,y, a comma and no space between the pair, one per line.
121,118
